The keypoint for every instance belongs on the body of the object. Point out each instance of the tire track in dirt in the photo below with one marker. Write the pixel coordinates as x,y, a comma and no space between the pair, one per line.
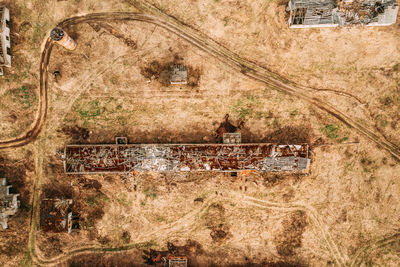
373,245
248,68
312,213
188,219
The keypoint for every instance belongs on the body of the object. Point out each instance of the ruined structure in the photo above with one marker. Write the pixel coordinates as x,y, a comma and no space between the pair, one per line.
8,203
178,74
176,261
80,159
333,13
5,43
55,215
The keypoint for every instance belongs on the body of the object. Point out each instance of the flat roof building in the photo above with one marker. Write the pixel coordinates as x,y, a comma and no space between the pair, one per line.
5,43
178,74
8,203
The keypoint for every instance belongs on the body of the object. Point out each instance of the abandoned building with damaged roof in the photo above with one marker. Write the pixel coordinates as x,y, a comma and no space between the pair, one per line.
81,159
333,13
9,203
56,215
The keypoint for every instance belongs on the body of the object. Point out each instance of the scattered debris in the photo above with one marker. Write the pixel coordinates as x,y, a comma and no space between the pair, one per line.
175,256
55,215
80,159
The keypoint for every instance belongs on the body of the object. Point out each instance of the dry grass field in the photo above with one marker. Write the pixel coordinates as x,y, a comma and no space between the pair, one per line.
344,213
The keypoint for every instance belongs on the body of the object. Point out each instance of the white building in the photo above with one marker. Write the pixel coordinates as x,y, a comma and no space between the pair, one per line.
8,203
5,46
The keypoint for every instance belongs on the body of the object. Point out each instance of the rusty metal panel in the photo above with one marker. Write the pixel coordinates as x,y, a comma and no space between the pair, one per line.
80,159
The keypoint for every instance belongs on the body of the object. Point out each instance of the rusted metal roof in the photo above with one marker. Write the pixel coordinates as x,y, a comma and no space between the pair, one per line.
185,157
55,215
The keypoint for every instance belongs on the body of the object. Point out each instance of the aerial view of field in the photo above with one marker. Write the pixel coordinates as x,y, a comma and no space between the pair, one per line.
199,133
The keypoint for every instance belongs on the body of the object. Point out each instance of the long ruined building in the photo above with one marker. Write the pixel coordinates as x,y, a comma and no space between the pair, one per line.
124,158
8,203
334,13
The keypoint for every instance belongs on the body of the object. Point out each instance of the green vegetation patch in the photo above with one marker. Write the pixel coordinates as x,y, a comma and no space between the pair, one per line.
23,97
332,131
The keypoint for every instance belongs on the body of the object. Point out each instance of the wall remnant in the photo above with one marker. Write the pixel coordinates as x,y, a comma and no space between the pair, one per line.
9,203
56,215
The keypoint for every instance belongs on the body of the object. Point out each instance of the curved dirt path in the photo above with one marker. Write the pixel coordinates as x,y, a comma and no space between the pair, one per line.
312,214
208,45
189,219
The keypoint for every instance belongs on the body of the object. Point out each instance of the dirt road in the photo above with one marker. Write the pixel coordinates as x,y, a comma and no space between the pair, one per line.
208,45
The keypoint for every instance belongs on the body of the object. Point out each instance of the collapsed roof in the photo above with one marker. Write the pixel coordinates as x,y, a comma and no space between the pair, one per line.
333,13
185,157
55,215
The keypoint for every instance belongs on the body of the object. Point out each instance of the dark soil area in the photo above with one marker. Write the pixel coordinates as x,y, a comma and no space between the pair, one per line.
78,134
87,209
13,240
124,259
289,135
290,236
215,221
159,71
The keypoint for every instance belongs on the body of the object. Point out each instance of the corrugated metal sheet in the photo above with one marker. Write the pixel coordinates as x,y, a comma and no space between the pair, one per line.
185,157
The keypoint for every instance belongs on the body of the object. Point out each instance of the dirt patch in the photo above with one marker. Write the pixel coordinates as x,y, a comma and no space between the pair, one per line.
215,221
289,135
76,133
17,172
124,259
102,28
272,179
290,236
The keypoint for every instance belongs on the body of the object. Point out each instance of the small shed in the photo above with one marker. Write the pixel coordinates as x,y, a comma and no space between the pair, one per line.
177,261
178,74
56,215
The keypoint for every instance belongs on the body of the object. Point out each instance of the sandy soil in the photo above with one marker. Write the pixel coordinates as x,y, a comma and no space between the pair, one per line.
349,200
